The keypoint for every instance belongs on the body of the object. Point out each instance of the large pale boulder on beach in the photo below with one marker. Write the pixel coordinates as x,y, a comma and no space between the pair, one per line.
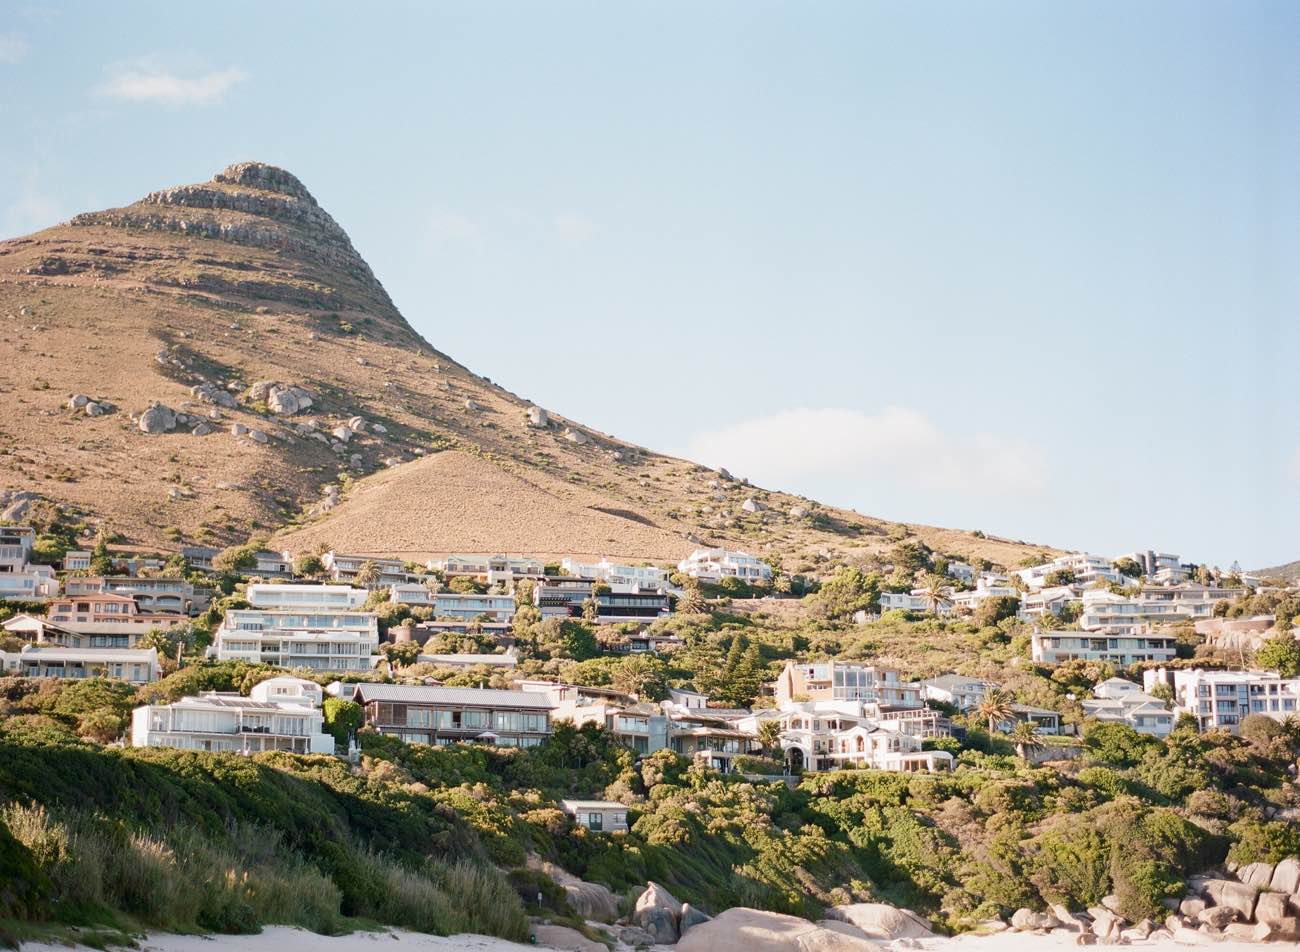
1258,875
753,930
880,921
1225,892
562,937
1271,906
1028,920
659,913
1286,876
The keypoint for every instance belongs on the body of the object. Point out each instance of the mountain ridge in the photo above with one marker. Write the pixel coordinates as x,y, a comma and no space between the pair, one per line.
294,398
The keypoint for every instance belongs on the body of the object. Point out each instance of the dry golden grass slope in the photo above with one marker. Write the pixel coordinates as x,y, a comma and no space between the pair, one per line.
246,279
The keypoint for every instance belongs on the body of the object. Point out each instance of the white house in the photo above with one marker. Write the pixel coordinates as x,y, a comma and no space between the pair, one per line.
132,665
918,600
988,585
288,690
1085,568
344,568
230,723
319,627
688,698
713,565
961,571
1118,701
410,593
77,560
829,735
1220,699
468,660
962,692
1104,610
489,568
1049,600
614,573
599,816
21,580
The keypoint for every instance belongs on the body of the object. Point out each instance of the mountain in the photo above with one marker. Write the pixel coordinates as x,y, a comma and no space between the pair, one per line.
1290,572
217,361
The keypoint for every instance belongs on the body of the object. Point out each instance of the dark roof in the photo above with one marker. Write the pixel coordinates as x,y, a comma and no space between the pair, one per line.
480,697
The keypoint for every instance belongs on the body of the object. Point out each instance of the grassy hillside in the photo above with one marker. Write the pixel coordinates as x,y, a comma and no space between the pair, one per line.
246,279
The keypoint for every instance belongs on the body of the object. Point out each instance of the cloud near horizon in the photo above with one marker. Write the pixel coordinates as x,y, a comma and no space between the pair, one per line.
793,448
149,81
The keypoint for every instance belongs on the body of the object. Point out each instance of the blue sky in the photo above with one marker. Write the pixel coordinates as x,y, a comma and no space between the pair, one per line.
1022,267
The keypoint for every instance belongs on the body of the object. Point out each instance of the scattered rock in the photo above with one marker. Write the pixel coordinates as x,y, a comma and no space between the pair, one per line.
238,429
257,436
562,937
1216,916
201,430
97,409
798,512
1259,875
575,436
752,505
210,393
157,419
1191,907
1106,926
342,433
77,401
1225,892
362,362
471,406
357,424
1286,876
378,428
1027,920
538,418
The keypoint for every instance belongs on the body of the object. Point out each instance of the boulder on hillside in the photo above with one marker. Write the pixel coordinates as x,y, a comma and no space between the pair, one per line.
77,401
1286,876
575,436
754,930
1216,916
342,433
157,419
752,505
357,424
881,921
538,418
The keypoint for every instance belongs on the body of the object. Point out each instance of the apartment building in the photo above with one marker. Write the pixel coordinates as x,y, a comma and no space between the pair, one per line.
344,568
200,556
845,681
20,580
1121,648
614,573
138,666
1051,600
1160,566
490,569
153,594
1087,569
318,627
471,607
410,593
280,714
438,715
1104,610
714,565
565,597
1221,699
643,727
106,619
831,735
987,586
1123,702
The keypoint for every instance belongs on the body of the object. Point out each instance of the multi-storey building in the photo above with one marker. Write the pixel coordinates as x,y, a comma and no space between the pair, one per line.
152,594
1104,610
77,560
566,597
104,620
278,715
410,593
614,573
987,586
961,692
1122,648
1160,566
345,568
1221,699
1051,600
489,568
1123,702
845,681
714,565
825,735
1085,568
438,715
319,627
21,580
471,607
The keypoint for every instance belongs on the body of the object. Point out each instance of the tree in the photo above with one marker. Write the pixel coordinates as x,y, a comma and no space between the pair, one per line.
641,674
769,736
936,595
236,559
464,585
1129,567
1060,577
308,565
342,718
101,563
590,610
990,611
910,556
368,575
847,591
402,654
691,600
994,708
1025,736
1280,654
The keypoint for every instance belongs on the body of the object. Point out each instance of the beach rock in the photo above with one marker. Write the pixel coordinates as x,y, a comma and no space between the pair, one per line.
1259,875
1085,938
591,900
1241,931
1271,906
1070,921
657,911
849,929
1286,876
1286,928
1027,920
1106,926
1216,916
880,921
1190,907
1174,921
1225,892
1111,902
752,930
1139,931
562,937
1185,936
690,918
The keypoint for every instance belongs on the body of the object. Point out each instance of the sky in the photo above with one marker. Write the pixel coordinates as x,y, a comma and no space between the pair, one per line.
1029,268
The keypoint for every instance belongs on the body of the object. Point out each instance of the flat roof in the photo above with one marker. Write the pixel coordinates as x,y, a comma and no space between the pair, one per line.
482,697
593,805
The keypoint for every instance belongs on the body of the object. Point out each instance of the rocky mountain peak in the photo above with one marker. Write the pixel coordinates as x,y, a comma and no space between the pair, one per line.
270,178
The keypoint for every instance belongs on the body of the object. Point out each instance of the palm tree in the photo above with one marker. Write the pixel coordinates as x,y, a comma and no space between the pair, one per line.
994,708
935,593
769,735
368,574
1025,736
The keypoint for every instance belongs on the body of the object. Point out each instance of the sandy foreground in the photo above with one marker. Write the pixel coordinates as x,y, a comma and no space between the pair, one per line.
283,939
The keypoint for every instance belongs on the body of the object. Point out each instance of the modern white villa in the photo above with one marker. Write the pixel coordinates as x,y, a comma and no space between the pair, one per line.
961,692
1104,610
1054,647
1221,699
20,580
713,565
134,666
614,573
279,714
318,627
846,681
345,568
489,568
830,735
599,816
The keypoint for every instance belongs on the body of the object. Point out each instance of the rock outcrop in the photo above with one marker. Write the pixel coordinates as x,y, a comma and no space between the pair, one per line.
754,930
878,920
659,913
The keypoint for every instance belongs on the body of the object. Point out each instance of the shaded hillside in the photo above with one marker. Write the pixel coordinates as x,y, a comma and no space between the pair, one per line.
234,303
1290,572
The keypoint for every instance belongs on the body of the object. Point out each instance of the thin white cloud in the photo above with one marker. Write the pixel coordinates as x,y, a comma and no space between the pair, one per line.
13,48
572,227
895,445
147,81
445,227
